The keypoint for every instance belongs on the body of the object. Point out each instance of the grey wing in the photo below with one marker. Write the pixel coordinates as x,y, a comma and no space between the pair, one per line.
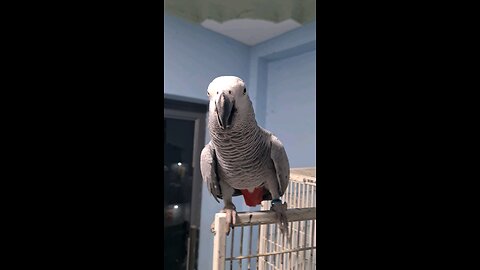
280,160
208,168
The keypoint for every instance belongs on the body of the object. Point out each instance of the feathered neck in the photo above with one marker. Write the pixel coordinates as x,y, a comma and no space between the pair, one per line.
244,129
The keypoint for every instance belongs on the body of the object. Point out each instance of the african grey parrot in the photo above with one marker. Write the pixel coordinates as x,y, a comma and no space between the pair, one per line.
242,158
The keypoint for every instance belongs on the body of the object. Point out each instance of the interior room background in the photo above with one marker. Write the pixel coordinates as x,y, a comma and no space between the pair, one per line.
280,76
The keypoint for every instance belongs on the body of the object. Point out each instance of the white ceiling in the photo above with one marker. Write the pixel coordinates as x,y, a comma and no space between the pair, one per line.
250,31
248,21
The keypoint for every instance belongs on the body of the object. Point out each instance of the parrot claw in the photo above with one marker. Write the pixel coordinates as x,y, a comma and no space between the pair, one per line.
280,210
231,218
212,227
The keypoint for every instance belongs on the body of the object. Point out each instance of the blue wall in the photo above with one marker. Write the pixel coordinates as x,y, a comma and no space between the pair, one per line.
292,43
278,67
194,56
290,110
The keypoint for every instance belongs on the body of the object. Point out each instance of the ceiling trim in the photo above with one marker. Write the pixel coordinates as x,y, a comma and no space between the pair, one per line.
302,11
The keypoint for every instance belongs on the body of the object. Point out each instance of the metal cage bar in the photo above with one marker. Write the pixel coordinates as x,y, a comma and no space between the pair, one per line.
272,250
277,248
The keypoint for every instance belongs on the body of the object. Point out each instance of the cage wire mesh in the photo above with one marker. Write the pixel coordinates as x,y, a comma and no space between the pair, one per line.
255,242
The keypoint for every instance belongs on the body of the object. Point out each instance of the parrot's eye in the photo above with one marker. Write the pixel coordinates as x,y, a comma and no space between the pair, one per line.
217,92
208,94
244,90
230,92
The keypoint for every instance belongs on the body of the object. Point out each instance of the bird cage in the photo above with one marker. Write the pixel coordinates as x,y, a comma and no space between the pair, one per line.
255,241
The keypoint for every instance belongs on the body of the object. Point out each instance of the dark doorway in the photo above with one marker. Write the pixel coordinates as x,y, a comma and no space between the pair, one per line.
184,135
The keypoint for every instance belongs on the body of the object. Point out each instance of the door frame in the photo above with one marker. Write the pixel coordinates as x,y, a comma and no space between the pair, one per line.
182,108
198,144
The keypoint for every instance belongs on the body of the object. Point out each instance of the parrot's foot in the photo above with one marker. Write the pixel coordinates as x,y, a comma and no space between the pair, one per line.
280,210
212,227
231,216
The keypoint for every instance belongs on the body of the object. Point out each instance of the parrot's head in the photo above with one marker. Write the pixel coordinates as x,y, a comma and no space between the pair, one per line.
229,101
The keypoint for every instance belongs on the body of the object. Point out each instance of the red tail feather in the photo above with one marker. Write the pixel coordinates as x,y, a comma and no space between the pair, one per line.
255,198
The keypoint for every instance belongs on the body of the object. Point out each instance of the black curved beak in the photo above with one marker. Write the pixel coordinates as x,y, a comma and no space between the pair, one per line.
225,107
